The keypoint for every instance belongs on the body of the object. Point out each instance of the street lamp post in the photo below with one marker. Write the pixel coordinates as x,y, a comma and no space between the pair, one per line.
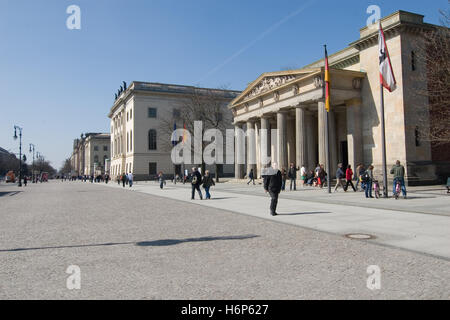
32,146
20,151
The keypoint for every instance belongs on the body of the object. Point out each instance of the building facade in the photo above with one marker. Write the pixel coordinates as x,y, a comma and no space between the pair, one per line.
139,143
293,103
90,153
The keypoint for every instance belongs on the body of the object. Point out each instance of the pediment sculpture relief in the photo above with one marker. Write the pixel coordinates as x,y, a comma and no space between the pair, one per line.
268,84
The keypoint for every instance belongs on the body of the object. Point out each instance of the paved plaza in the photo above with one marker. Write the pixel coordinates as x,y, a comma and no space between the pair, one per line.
147,243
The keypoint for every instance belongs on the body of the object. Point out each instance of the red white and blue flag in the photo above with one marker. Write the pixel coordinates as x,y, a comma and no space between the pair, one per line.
387,78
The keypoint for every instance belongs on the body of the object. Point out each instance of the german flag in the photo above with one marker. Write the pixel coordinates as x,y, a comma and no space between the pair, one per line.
184,134
327,82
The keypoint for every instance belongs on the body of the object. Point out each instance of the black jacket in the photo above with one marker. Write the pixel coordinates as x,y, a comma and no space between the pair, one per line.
199,178
272,183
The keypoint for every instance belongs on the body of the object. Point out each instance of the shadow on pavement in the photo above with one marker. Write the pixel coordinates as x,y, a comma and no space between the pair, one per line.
302,213
171,242
9,193
166,242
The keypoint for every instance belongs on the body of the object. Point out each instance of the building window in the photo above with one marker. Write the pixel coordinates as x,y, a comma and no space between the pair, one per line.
152,168
96,159
127,116
131,114
417,136
105,148
413,61
95,148
104,159
131,140
152,139
176,113
128,142
152,112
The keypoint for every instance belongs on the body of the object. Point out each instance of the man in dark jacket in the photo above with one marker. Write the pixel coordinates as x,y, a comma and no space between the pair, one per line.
196,181
272,185
340,175
292,175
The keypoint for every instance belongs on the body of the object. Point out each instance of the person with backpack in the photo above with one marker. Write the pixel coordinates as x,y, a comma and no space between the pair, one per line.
207,183
360,170
339,178
196,181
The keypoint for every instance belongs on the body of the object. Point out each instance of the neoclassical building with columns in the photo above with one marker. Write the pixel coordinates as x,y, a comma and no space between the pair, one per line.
293,103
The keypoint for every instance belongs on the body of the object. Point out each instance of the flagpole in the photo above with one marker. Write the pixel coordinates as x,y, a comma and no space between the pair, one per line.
383,130
327,133
383,143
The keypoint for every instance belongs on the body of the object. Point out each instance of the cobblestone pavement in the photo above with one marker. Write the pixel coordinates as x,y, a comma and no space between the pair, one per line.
131,245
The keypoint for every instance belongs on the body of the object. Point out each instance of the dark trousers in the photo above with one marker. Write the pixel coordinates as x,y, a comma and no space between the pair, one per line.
349,182
368,189
295,184
196,187
273,201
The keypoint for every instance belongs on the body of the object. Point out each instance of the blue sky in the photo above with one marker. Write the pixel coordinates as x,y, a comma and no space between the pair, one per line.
57,83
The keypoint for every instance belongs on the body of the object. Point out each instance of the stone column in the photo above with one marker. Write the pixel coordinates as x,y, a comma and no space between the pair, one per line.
251,147
265,144
311,141
300,136
354,134
290,136
273,140
258,149
282,141
333,142
322,132
239,152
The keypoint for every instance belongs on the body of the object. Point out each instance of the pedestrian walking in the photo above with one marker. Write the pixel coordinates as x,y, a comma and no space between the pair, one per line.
208,181
399,177
321,176
348,177
272,185
25,180
303,174
124,179
292,175
130,179
196,180
340,175
161,180
283,179
251,176
368,179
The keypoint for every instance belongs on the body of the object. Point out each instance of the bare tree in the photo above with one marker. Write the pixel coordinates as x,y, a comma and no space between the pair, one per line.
206,105
433,52
67,167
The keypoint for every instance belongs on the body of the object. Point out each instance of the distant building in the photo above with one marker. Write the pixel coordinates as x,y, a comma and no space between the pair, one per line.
137,143
90,153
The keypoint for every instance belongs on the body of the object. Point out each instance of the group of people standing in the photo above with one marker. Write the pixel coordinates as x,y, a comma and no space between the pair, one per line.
274,180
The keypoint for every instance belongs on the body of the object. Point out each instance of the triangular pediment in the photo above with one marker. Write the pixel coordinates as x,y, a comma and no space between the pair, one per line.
270,81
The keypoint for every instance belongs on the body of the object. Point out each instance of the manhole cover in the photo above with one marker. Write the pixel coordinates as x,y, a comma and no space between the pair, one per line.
360,236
